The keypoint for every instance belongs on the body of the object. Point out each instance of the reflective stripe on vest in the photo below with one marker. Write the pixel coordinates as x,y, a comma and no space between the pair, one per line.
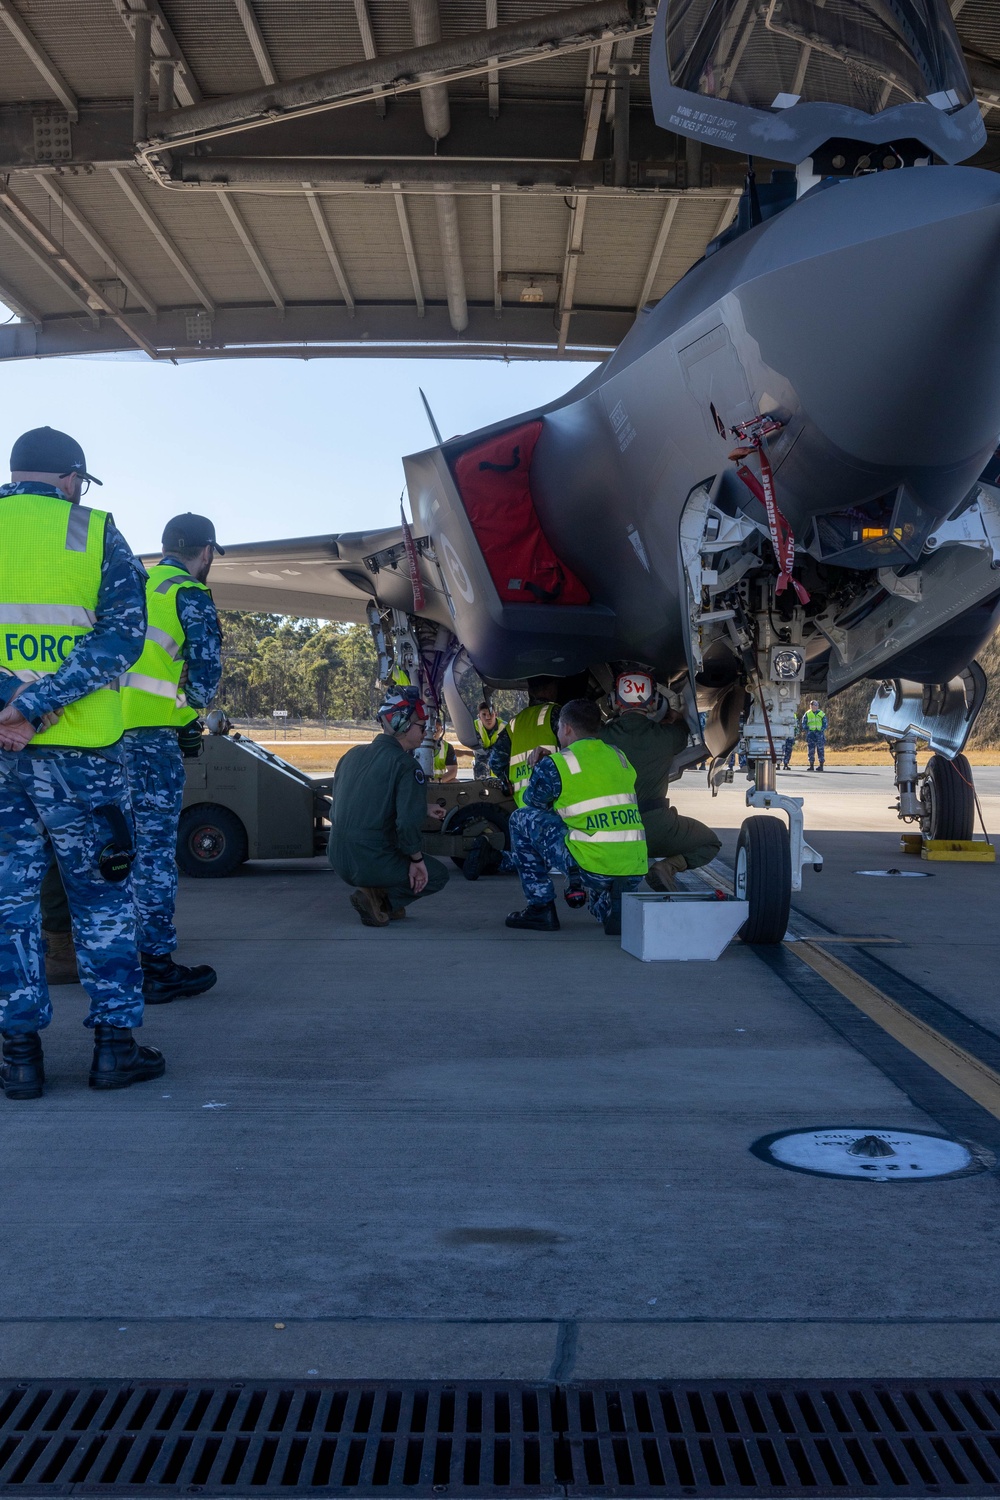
530,729
604,831
51,558
153,697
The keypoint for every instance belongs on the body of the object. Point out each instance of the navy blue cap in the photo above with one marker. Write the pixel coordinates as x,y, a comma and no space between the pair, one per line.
44,450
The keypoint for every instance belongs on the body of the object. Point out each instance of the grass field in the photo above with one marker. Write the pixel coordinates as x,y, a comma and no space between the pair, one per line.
324,757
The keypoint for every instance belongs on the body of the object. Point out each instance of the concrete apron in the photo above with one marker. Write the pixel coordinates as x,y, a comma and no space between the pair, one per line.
444,1150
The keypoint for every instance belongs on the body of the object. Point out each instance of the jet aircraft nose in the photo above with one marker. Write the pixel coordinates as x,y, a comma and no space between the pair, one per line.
885,321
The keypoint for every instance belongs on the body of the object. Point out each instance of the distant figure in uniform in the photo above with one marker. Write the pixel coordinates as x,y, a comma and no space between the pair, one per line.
579,814
814,724
533,728
674,842
445,759
72,599
788,747
176,675
379,810
488,726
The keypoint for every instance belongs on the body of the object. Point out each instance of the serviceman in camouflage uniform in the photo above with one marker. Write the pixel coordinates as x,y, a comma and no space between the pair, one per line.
379,810
578,814
72,620
177,674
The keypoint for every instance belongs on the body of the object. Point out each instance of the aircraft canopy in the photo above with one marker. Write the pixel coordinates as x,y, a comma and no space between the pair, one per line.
751,74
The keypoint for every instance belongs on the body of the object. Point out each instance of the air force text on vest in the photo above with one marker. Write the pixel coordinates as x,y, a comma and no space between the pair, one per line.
28,646
619,817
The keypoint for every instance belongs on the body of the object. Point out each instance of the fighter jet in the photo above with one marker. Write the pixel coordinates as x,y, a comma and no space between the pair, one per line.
779,483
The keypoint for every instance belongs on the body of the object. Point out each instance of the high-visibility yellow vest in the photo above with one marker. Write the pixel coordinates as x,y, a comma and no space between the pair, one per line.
534,726
598,805
51,553
152,696
489,737
814,719
441,758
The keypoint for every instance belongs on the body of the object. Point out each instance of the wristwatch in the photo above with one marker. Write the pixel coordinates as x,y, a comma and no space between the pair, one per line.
416,859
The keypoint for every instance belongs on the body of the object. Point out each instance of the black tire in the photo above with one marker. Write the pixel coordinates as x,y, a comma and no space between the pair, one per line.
481,812
211,841
764,879
948,799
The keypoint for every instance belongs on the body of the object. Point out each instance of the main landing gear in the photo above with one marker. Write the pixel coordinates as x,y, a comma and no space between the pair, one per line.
941,798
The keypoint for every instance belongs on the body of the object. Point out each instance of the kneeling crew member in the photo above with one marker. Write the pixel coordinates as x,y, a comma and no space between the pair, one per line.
533,728
579,815
177,673
379,810
674,842
74,599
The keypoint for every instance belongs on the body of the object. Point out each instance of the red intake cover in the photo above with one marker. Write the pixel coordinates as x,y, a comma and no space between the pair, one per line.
494,483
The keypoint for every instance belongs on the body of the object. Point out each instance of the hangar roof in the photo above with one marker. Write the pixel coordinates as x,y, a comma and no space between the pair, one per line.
203,178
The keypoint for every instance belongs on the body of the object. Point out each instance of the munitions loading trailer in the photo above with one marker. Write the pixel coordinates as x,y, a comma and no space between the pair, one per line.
244,802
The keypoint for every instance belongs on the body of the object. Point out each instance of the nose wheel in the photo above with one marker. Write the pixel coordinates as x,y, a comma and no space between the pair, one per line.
947,799
764,879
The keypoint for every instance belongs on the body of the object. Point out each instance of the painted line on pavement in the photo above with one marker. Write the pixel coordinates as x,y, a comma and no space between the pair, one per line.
967,1072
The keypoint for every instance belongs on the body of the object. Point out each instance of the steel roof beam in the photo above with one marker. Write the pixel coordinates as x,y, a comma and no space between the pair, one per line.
255,37
662,235
368,46
316,330
250,246
408,249
65,269
541,37
574,249
164,240
13,299
493,77
164,45
43,64
426,20
497,251
370,174
323,229
86,229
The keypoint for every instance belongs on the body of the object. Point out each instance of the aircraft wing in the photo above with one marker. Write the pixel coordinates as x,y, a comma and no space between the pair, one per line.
330,577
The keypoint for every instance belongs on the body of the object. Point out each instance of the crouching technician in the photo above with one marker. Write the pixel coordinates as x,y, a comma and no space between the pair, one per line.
74,614
177,673
673,841
579,814
379,810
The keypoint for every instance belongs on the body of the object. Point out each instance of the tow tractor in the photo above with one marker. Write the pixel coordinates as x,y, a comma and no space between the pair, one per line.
241,801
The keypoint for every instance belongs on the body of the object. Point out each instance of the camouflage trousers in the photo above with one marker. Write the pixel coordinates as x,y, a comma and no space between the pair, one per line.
156,785
538,845
54,798
816,744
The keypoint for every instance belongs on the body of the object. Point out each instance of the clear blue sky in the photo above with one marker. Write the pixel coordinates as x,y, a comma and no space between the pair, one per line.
267,448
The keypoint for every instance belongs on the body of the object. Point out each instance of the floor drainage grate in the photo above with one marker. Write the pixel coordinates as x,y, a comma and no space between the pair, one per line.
816,1438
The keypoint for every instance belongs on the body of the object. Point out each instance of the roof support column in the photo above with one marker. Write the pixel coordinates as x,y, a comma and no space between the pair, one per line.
437,122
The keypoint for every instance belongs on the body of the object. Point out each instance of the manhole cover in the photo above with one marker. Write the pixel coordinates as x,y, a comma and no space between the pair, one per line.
899,874
871,1154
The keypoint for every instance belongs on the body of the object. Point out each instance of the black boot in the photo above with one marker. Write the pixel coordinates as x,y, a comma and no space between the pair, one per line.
119,1060
163,980
613,920
536,918
22,1071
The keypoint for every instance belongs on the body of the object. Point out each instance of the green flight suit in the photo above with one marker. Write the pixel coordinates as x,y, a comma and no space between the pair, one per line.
650,748
379,809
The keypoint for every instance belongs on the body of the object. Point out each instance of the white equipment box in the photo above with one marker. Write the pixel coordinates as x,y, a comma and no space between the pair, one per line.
680,925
